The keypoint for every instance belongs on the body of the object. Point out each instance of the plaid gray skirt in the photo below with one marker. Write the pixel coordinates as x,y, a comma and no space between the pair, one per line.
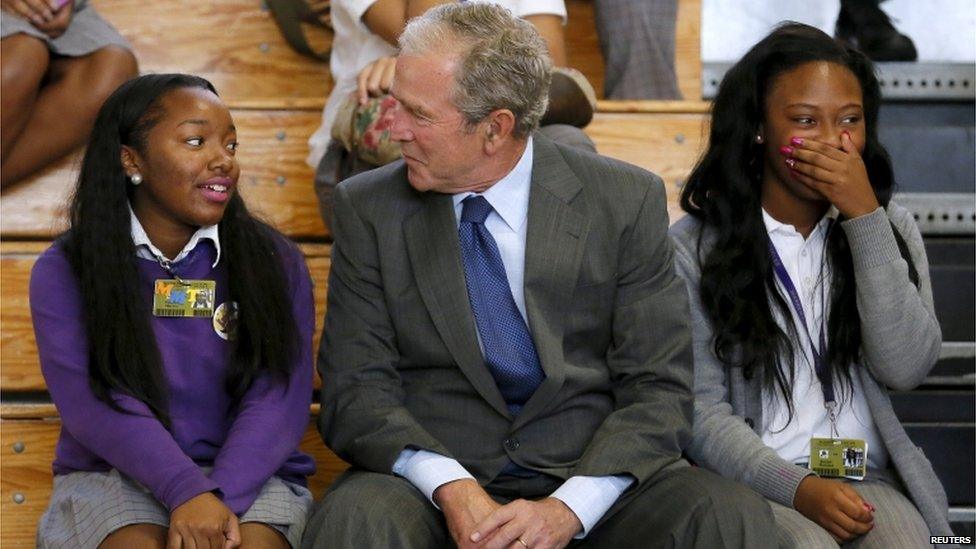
86,507
86,33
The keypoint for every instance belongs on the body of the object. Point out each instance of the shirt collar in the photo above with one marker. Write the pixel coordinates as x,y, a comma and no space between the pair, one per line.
509,197
773,225
147,250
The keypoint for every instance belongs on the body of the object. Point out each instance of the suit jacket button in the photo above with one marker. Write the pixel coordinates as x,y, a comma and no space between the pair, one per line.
511,444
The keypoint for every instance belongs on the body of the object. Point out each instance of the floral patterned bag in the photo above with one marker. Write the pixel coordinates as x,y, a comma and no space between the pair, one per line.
364,130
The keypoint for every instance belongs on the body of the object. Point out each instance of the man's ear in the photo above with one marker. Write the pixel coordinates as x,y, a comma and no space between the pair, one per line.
498,128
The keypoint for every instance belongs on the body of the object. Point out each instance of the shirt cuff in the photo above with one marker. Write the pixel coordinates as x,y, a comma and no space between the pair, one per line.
428,471
589,498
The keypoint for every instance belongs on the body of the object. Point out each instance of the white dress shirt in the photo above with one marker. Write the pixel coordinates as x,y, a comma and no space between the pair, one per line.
808,269
147,250
588,497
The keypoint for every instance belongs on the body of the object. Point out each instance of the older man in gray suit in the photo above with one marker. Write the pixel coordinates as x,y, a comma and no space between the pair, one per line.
507,358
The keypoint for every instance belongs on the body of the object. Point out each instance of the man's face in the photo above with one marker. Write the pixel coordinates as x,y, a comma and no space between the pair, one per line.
442,152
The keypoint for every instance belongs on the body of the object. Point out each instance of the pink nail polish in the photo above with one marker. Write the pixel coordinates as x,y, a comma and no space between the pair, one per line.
786,151
796,141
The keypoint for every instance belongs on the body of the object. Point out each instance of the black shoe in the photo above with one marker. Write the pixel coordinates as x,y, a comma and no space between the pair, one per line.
862,25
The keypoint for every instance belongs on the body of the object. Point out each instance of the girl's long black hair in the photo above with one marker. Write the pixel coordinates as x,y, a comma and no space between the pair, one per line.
122,348
738,288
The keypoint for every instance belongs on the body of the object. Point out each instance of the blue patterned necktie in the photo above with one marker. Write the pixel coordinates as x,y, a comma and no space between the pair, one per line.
509,351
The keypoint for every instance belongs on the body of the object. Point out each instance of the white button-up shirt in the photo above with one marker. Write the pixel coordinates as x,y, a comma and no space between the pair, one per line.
806,264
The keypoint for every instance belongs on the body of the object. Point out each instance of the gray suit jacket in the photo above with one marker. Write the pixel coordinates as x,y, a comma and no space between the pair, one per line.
400,360
901,341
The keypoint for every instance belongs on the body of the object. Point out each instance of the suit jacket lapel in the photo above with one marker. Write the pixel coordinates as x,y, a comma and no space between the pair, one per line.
556,235
435,255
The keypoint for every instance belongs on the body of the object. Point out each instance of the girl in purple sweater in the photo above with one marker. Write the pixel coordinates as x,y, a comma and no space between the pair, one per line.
175,333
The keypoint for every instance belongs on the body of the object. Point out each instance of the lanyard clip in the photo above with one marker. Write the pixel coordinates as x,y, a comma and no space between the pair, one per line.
831,407
167,266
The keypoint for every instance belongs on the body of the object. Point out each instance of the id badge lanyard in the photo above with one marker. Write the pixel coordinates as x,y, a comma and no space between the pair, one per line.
818,351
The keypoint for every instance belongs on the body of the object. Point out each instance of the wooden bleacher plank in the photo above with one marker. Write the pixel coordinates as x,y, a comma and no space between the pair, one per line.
28,473
666,144
18,348
233,43
275,180
653,107
34,410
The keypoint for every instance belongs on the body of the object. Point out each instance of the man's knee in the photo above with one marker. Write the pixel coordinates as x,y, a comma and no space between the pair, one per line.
382,509
733,512
740,506
718,508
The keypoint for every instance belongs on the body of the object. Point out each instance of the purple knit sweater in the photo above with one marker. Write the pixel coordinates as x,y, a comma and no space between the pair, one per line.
245,441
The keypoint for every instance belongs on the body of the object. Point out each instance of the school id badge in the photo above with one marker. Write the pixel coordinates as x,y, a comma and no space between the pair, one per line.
839,457
184,298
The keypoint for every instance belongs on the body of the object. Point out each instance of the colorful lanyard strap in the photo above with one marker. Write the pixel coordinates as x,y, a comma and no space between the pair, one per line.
818,351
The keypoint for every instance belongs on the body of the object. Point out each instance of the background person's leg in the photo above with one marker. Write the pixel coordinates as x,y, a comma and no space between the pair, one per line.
65,109
637,41
23,63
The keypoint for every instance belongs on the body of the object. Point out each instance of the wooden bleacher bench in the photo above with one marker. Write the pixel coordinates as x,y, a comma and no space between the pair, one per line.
276,97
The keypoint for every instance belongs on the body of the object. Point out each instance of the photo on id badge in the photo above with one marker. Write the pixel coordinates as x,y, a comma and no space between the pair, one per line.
839,457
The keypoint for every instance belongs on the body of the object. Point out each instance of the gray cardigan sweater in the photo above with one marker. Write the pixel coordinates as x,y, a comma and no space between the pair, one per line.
901,342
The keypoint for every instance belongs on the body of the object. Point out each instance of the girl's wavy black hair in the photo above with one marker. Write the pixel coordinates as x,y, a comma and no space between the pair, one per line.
737,280
123,355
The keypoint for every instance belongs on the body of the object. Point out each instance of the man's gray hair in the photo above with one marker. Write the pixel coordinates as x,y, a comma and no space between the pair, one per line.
503,61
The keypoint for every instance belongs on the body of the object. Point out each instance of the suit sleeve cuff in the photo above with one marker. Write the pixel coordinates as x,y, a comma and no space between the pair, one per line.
428,471
589,498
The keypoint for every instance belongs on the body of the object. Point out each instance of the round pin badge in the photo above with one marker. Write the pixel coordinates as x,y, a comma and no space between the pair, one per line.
225,320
